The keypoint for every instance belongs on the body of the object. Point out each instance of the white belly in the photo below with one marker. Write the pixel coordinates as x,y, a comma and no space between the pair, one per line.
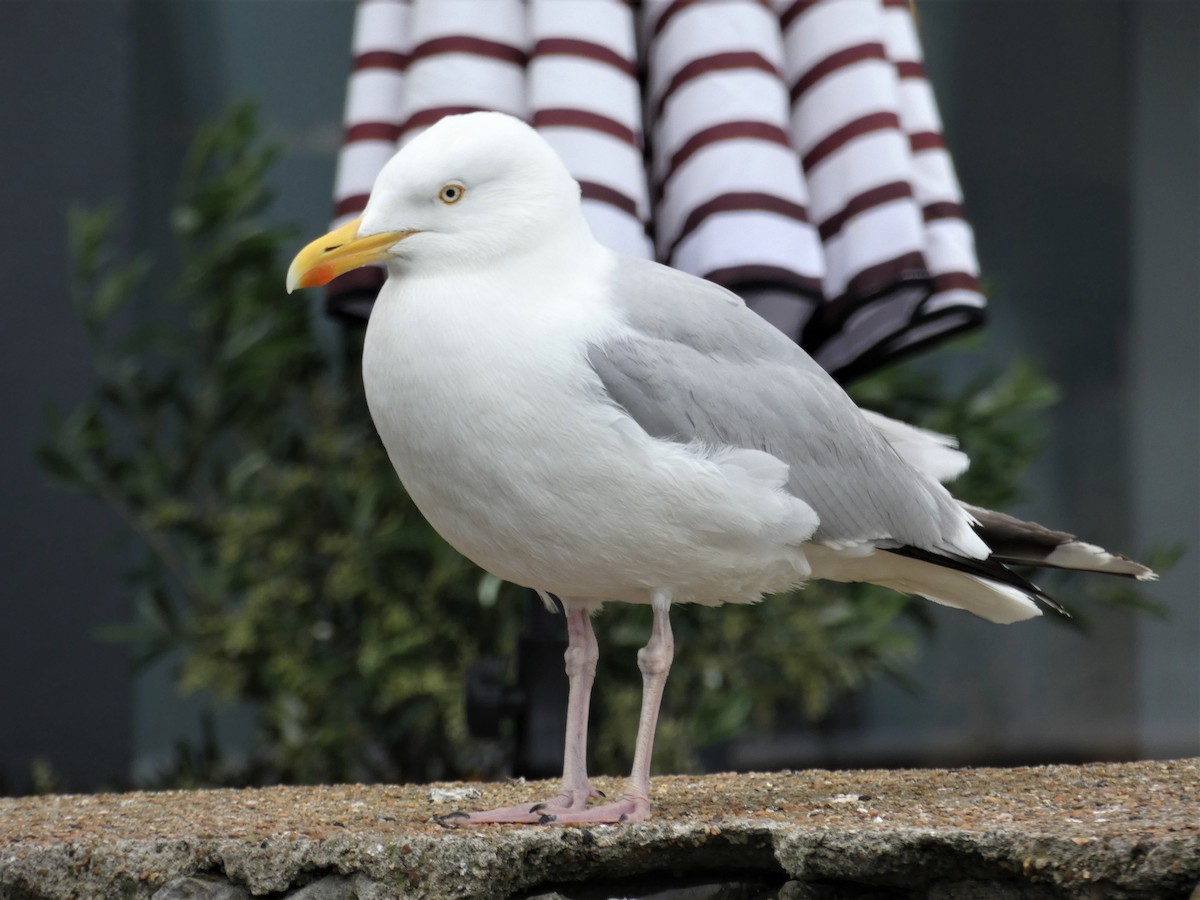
501,438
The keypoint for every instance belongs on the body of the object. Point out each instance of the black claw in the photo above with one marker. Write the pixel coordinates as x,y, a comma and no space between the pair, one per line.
447,820
624,818
538,807
547,819
600,794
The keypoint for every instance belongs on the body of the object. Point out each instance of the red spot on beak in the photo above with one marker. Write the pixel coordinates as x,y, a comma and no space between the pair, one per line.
317,276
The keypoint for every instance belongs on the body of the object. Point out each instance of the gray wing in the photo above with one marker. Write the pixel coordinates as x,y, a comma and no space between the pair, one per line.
696,364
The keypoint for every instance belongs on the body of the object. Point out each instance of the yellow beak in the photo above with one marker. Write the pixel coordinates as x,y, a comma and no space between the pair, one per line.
338,252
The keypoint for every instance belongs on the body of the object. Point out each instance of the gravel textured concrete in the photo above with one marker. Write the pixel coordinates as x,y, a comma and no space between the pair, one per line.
1108,830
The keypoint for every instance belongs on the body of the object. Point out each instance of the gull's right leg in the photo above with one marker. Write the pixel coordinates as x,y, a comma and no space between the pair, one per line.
582,653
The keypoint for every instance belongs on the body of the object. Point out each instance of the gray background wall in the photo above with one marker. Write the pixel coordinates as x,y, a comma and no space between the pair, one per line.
1075,126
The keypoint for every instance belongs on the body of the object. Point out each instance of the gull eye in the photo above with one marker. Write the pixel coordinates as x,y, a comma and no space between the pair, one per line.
451,193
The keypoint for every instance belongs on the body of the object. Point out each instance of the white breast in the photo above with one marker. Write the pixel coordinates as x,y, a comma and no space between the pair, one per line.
501,434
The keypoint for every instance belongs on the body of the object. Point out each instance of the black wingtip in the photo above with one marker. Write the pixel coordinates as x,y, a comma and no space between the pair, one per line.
990,568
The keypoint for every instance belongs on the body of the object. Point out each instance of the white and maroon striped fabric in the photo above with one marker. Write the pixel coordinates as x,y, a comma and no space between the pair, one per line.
792,150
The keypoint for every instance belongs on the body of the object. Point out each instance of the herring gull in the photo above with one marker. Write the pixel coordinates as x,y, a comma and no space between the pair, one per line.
602,428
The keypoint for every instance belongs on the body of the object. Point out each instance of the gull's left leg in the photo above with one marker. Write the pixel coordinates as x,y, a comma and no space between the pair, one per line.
655,662
581,656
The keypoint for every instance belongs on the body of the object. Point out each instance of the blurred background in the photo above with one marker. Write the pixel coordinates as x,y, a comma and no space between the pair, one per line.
1075,128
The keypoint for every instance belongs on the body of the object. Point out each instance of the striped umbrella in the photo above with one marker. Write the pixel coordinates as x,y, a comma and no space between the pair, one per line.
790,151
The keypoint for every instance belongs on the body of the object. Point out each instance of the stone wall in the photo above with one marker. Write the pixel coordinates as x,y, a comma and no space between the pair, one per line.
1097,831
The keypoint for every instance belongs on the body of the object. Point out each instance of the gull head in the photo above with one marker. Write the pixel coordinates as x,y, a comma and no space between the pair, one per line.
470,190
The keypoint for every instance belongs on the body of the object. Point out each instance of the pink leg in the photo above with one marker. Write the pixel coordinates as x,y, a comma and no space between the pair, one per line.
582,654
581,657
655,662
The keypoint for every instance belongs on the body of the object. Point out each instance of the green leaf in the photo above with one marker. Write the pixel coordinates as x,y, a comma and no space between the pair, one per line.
112,292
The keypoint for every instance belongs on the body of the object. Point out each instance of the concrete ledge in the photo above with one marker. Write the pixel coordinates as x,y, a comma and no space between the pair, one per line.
1109,830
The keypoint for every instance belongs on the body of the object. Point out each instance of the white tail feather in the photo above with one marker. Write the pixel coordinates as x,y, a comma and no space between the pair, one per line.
1000,603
